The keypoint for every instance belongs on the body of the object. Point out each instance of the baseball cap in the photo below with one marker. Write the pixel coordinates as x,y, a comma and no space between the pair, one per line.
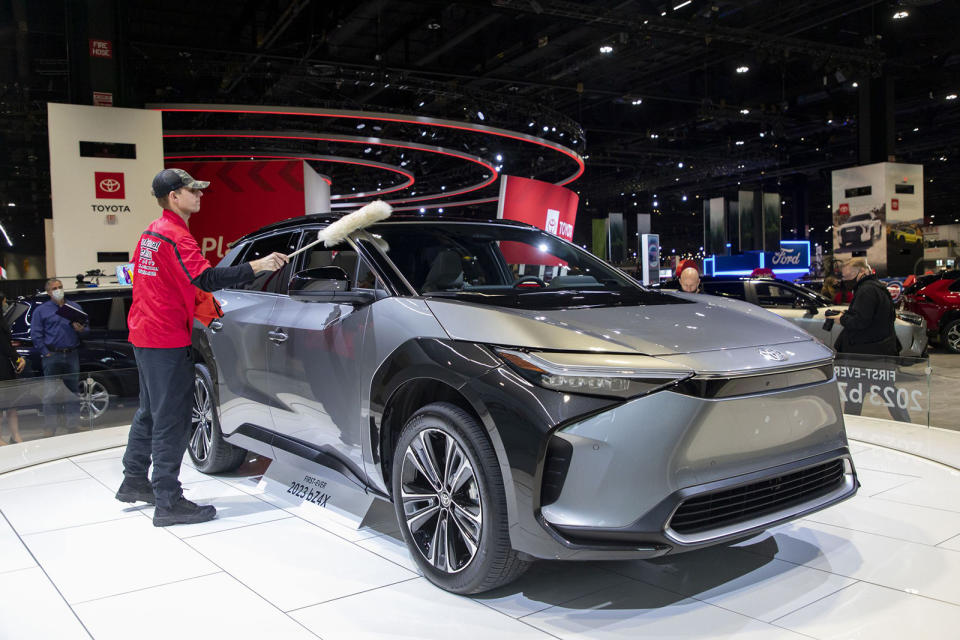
172,179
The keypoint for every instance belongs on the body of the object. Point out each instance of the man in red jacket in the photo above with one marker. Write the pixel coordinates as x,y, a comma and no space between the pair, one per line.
168,269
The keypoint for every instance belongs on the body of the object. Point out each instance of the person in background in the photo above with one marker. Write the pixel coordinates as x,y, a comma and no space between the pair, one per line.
11,364
868,325
690,280
57,340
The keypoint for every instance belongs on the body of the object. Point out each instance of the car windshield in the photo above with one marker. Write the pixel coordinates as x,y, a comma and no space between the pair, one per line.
504,265
859,218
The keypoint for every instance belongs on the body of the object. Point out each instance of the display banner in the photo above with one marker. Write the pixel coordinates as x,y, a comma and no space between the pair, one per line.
246,195
616,239
878,212
892,388
599,244
650,252
544,205
771,221
101,199
714,227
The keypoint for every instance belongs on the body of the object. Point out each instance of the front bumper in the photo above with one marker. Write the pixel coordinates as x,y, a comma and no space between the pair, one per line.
625,473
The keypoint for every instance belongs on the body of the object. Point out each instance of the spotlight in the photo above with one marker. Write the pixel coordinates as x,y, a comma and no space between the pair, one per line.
684,198
743,69
855,84
499,158
745,112
480,115
900,15
680,165
636,101
423,210
739,143
531,124
656,204
546,128
606,49
951,96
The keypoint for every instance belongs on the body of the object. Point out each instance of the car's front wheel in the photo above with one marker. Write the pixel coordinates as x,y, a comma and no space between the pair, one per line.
94,397
449,497
950,336
209,452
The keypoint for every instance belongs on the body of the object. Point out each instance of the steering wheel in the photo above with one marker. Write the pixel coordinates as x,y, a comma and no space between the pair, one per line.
529,282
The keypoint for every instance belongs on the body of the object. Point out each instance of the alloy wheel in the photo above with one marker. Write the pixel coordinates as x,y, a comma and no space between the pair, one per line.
953,337
202,421
441,500
94,399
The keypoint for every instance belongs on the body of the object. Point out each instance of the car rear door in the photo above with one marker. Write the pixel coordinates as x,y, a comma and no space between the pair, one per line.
316,368
240,341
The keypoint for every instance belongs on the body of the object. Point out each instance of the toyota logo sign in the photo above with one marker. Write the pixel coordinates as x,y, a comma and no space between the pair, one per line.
109,185
770,353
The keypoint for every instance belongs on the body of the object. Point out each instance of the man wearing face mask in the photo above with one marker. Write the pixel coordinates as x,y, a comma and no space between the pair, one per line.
57,340
169,269
868,323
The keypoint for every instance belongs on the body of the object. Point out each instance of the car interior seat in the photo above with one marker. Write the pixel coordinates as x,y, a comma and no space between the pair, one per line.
446,272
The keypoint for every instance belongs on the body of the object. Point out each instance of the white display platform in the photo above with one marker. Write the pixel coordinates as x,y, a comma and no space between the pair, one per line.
75,563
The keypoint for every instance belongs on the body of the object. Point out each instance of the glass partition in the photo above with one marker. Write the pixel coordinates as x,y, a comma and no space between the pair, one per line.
887,387
43,406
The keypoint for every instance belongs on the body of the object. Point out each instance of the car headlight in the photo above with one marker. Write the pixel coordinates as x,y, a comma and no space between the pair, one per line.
622,376
910,317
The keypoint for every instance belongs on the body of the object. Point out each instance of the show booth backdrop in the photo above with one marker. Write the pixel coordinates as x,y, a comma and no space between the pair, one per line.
544,205
878,214
246,195
102,162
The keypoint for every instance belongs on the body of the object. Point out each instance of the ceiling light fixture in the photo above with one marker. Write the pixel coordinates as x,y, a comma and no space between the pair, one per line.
606,49
682,5
743,69
745,111
951,96
480,115
740,143
900,15
636,101
855,85
680,165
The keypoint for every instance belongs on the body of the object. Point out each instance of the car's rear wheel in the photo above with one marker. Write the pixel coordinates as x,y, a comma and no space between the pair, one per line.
209,452
950,336
449,497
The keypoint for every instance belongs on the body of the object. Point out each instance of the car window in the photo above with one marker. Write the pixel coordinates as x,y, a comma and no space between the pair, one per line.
770,294
14,313
725,289
98,312
276,281
356,269
118,315
955,286
506,265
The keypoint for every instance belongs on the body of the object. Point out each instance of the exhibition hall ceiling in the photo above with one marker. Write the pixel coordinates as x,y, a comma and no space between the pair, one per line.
669,101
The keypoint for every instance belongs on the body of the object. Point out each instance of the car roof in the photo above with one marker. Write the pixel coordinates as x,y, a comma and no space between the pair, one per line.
327,218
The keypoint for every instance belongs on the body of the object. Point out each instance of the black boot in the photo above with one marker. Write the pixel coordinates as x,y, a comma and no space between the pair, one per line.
135,490
183,512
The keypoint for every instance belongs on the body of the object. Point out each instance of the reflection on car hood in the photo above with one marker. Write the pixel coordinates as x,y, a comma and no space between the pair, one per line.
708,325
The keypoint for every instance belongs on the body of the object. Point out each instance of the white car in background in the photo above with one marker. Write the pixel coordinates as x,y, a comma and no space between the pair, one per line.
860,228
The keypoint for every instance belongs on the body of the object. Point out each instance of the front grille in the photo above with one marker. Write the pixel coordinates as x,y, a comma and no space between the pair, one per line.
730,506
850,235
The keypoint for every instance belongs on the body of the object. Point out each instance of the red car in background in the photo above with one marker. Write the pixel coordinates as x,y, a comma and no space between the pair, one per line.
937,298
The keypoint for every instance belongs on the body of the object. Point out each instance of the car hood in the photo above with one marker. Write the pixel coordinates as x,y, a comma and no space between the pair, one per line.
858,223
710,324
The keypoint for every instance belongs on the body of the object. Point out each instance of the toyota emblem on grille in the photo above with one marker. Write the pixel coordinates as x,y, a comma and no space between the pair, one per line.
772,354
110,185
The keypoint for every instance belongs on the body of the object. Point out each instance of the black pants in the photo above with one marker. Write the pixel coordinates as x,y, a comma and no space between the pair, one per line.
161,425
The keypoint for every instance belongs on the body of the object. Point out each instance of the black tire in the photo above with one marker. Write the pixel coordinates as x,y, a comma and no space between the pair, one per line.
209,452
456,502
950,336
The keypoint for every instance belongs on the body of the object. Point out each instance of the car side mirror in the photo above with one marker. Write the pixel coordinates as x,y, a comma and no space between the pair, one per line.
327,284
812,309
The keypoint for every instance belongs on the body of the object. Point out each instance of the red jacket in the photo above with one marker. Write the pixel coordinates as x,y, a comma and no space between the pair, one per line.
168,259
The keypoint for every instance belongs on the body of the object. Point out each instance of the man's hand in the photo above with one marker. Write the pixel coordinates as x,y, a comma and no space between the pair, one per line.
77,326
271,262
21,363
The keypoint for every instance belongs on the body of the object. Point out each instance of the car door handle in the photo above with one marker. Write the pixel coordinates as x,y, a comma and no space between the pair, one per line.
278,336
216,325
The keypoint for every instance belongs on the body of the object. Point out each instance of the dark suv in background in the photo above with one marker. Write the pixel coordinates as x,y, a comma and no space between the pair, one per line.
937,298
105,354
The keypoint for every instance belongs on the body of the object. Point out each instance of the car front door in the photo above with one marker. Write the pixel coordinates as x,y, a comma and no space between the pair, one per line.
240,340
315,365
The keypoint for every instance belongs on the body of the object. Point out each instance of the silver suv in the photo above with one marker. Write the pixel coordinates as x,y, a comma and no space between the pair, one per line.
517,398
